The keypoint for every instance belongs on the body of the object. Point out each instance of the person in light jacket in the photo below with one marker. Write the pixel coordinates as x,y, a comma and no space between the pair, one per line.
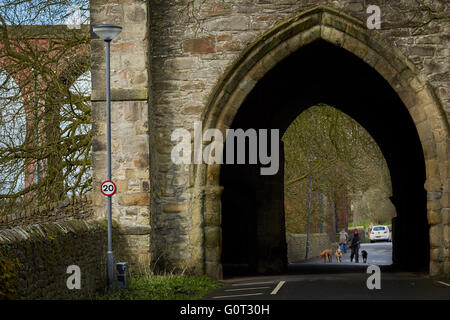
343,238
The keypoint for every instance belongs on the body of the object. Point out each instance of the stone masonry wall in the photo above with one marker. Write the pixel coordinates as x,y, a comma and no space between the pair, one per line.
165,65
77,208
34,259
296,244
129,119
191,49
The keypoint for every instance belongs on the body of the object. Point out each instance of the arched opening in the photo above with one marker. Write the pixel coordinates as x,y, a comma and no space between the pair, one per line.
336,180
356,71
252,204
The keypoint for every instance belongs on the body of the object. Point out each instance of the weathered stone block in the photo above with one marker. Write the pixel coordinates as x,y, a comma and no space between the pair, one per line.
355,46
135,12
181,63
175,207
134,199
435,254
212,204
214,270
233,23
434,217
212,219
192,110
212,254
120,94
199,45
446,256
436,268
446,268
447,236
332,35
445,215
196,237
418,114
135,144
213,236
434,205
436,238
422,51
445,200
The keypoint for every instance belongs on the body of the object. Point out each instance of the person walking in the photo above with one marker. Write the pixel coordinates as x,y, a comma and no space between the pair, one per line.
343,238
355,240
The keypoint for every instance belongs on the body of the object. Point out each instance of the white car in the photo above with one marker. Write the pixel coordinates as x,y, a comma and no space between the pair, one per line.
380,233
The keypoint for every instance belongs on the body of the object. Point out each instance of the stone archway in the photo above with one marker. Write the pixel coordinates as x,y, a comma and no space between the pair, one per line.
350,34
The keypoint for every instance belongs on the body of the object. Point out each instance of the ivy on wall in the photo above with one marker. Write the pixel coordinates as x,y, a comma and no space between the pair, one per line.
8,273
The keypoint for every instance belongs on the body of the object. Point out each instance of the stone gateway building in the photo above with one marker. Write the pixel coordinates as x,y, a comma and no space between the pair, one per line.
259,64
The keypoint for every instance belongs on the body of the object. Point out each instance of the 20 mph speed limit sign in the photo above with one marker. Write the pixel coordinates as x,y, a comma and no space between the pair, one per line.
108,188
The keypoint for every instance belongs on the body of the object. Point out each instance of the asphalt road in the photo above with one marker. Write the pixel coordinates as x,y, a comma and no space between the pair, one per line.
318,280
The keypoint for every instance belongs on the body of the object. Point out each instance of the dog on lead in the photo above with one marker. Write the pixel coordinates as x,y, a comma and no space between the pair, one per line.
338,255
327,255
364,255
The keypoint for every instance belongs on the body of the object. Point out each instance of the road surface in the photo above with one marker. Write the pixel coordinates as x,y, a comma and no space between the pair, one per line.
378,253
318,280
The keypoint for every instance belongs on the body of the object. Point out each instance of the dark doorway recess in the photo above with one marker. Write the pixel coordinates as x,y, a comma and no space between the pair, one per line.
253,227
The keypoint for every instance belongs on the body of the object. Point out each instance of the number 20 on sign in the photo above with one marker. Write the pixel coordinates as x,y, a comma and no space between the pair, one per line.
108,188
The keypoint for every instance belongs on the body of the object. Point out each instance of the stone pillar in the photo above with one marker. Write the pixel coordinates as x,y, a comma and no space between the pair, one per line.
129,121
436,229
213,232
446,230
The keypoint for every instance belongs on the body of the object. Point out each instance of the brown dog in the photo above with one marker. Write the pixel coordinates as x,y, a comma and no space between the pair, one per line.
327,255
338,255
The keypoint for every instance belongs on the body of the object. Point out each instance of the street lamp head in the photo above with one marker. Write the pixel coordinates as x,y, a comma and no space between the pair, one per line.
312,158
107,31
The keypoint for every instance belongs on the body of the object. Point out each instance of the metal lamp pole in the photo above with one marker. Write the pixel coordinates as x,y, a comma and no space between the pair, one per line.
310,160
108,32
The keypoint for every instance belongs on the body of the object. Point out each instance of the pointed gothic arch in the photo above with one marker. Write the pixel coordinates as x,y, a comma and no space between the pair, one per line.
351,35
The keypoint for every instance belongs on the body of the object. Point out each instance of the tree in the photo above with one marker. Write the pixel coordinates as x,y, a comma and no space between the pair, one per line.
348,159
44,106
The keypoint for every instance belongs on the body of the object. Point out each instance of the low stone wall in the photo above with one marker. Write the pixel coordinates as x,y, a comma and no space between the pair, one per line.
37,246
34,259
78,208
296,244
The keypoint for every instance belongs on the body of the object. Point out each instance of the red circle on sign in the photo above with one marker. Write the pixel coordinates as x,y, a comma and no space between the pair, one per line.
108,188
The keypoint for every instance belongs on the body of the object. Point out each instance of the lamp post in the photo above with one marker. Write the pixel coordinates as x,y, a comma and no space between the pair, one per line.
108,32
310,160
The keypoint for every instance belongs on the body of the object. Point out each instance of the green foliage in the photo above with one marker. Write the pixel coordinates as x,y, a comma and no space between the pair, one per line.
364,223
8,275
163,287
348,161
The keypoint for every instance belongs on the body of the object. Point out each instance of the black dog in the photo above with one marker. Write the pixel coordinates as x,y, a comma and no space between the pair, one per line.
364,255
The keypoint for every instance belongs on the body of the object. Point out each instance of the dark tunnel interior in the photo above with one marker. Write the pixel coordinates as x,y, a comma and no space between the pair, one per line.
253,227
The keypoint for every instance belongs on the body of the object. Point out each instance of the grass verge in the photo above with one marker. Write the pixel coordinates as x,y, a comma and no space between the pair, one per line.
163,287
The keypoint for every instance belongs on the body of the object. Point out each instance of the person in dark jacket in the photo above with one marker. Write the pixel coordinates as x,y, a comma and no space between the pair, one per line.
355,240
